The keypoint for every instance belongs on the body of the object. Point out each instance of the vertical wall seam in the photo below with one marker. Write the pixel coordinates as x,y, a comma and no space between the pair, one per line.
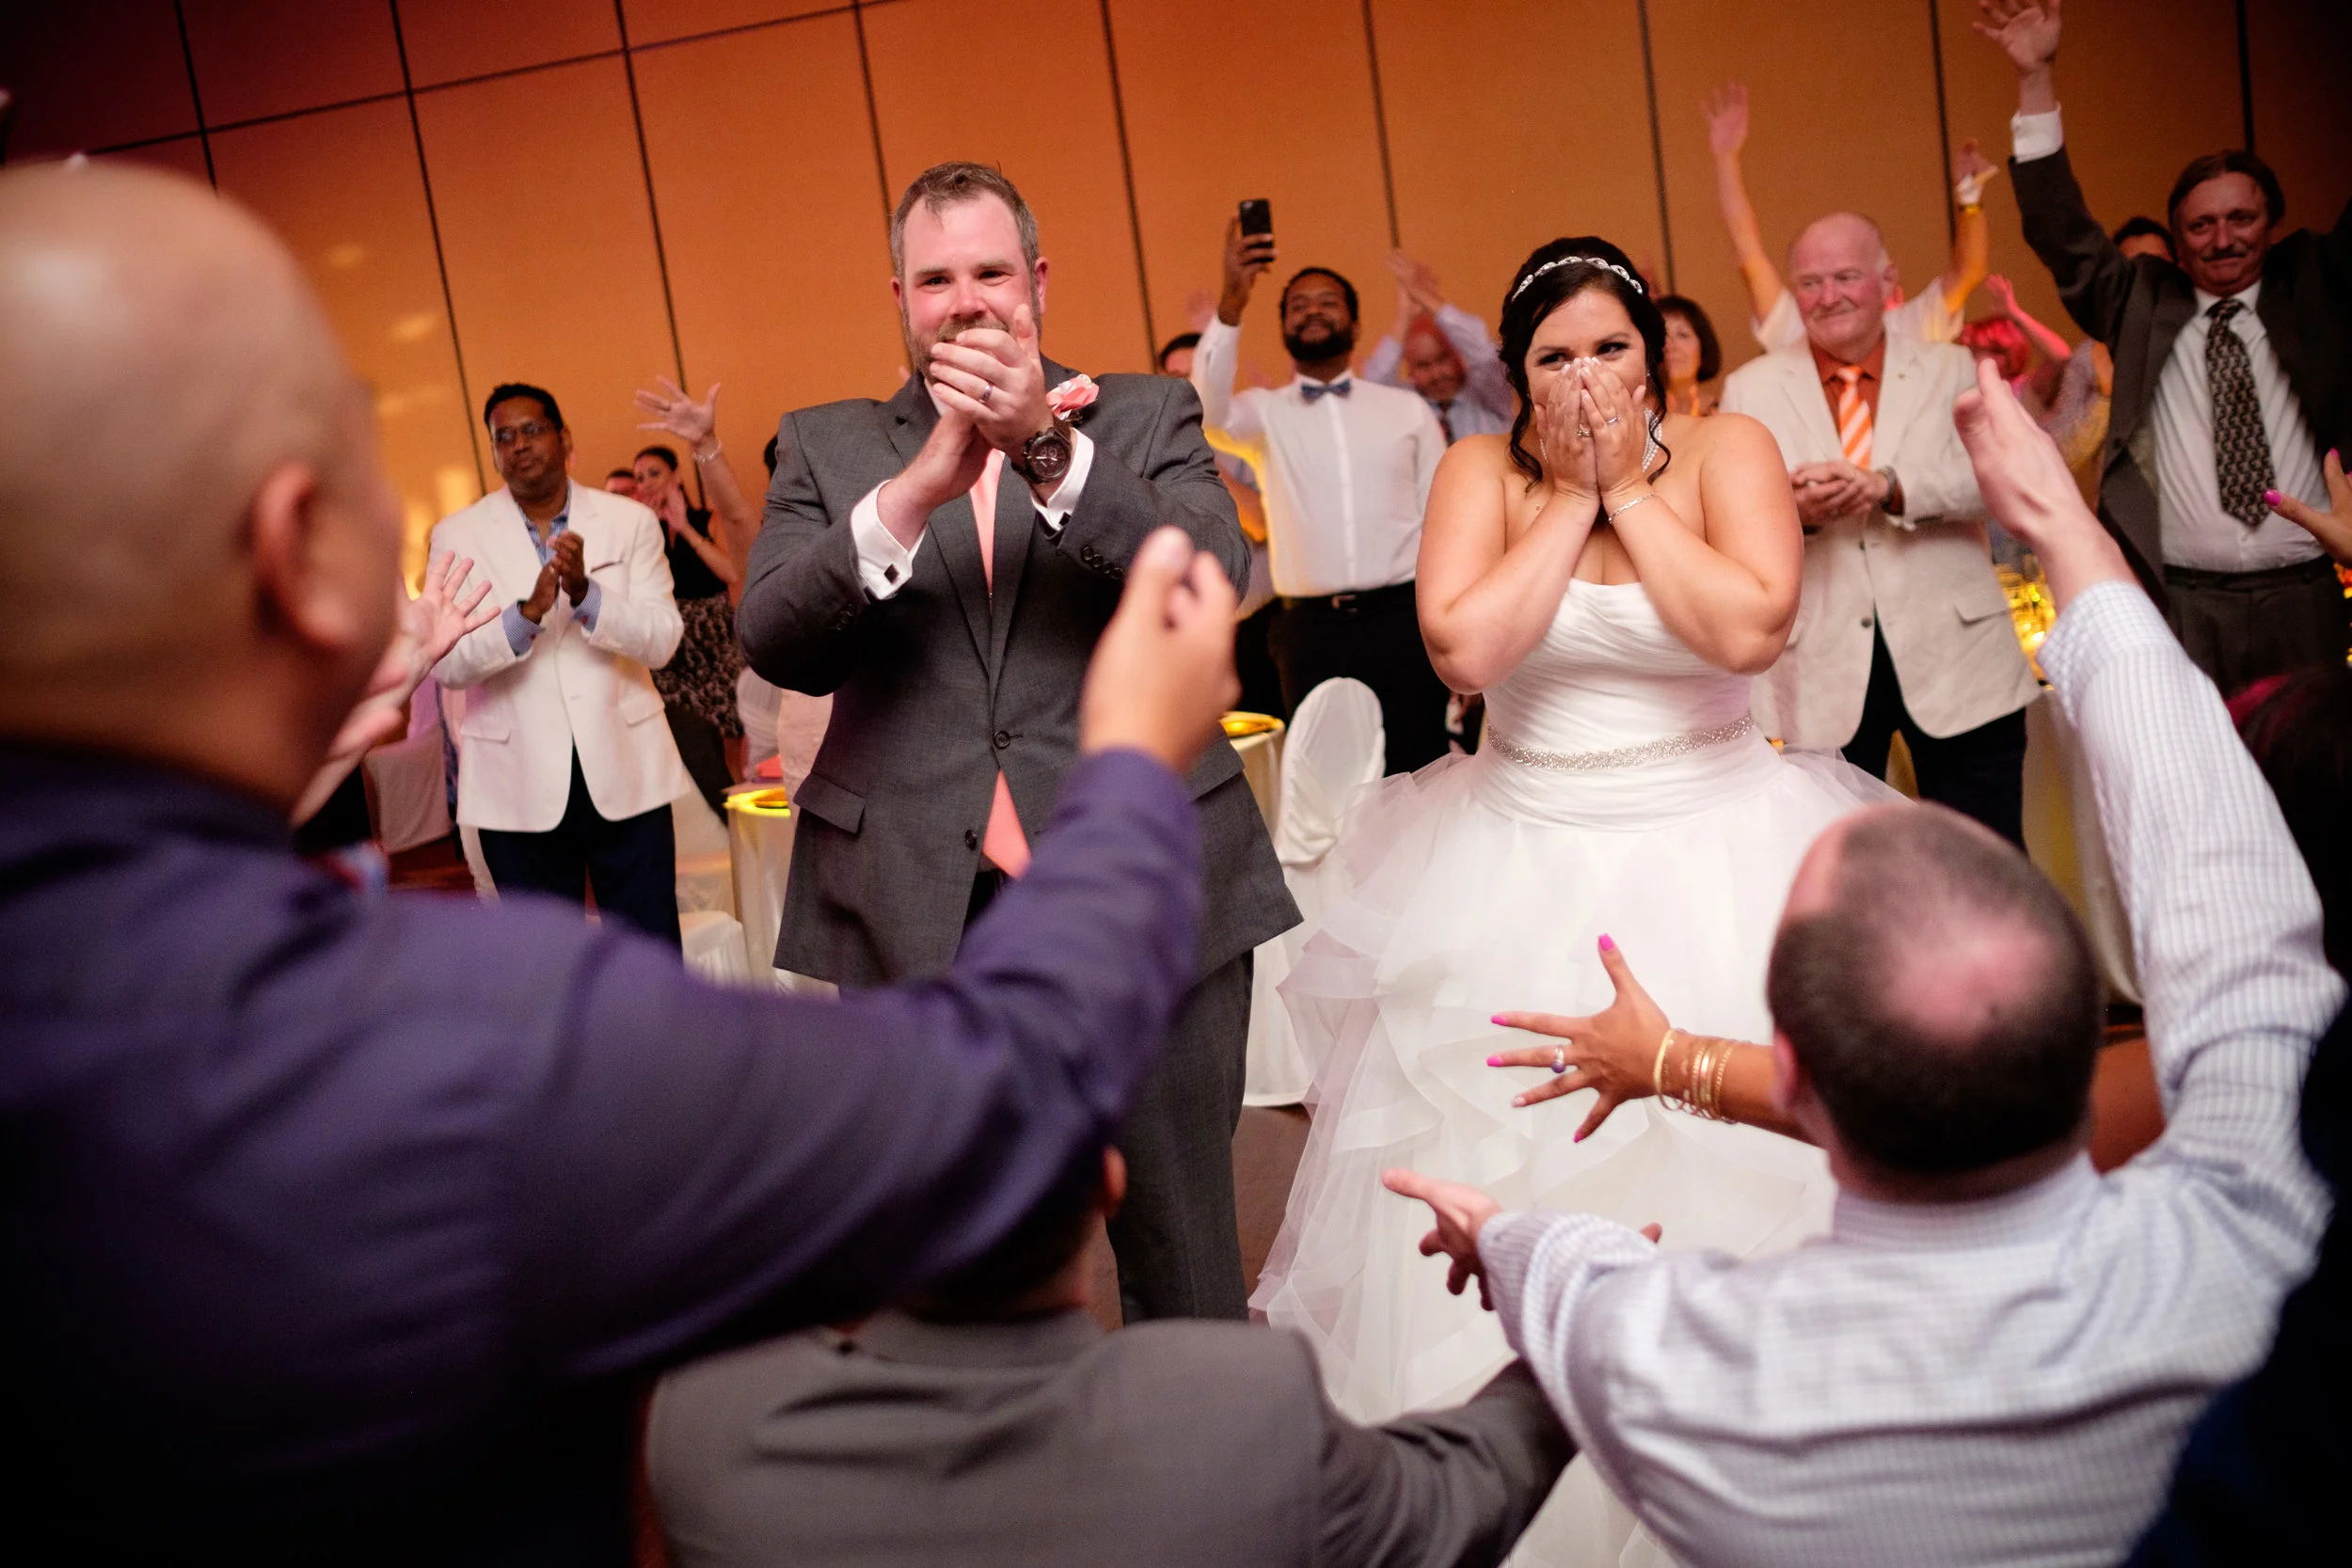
653,211
204,137
1657,143
1380,130
1127,172
440,261
873,114
2246,74
1944,119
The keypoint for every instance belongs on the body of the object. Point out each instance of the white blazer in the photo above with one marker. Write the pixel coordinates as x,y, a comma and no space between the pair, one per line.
574,688
1928,587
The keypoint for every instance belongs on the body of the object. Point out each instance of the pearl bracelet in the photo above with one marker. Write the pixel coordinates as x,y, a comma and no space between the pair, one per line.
716,448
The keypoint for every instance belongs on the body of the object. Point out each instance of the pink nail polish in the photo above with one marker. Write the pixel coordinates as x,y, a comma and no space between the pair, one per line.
1494,1061
1606,945
2270,497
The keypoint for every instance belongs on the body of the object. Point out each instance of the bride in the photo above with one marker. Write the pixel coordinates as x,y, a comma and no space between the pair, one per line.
1610,576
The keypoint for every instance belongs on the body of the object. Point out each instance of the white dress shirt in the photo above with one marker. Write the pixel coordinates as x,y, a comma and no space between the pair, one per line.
2192,529
2006,1380
1486,405
884,564
1345,479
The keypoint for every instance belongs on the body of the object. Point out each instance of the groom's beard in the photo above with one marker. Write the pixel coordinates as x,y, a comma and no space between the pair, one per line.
919,347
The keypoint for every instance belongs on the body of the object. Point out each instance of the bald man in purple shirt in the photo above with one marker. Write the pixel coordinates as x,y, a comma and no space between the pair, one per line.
343,1225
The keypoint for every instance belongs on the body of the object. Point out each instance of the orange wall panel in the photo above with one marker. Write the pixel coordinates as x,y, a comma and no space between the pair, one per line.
771,215
1842,115
652,21
1227,99
451,39
256,58
1494,154
181,155
93,74
2302,57
549,247
343,189
1065,160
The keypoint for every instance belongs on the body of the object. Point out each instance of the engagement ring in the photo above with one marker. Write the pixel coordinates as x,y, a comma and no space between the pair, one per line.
1611,419
1559,1059
1583,430
985,390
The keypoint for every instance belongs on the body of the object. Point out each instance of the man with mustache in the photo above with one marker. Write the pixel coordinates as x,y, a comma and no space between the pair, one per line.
942,563
2231,393
1345,465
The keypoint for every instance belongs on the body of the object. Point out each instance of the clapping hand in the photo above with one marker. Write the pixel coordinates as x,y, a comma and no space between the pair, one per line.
2027,30
1834,489
2332,528
568,556
1417,288
675,411
997,380
2029,491
1726,112
1615,1052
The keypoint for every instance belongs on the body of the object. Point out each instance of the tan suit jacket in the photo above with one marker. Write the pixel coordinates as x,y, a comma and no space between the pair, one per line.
573,687
1924,581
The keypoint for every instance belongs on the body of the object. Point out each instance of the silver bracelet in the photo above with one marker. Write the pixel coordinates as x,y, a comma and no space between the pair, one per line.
718,448
1616,512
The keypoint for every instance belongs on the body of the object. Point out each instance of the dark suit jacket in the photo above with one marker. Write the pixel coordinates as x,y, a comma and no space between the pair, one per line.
2137,307
941,685
340,1227
2267,1471
1046,1443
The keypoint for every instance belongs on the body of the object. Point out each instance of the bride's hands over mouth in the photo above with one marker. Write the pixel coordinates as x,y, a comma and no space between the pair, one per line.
1568,454
1619,430
1614,1051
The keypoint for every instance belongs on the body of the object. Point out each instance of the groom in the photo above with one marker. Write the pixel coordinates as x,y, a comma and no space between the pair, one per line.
943,563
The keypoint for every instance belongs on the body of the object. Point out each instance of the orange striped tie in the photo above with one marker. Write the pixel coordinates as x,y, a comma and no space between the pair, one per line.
1854,417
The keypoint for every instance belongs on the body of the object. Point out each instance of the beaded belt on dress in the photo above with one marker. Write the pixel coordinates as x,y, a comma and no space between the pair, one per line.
1623,756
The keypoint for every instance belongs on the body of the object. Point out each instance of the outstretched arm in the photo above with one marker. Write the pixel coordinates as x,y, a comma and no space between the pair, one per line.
1972,240
1726,113
2053,348
735,518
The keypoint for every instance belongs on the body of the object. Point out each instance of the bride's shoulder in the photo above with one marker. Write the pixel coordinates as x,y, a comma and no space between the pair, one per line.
1732,438
1483,453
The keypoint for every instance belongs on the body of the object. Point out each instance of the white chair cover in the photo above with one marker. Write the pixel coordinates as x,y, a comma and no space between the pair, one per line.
714,947
407,790
1336,745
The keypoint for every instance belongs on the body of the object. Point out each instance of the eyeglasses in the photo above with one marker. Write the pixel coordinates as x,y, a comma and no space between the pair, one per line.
530,430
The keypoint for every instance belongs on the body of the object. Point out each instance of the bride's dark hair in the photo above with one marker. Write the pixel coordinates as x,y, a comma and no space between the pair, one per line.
1554,275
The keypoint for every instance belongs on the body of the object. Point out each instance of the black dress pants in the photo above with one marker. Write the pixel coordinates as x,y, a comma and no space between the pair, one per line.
1178,1235
632,864
1373,636
1978,773
2239,627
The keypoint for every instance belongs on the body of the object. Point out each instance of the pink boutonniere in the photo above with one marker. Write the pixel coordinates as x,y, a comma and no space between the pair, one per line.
1073,395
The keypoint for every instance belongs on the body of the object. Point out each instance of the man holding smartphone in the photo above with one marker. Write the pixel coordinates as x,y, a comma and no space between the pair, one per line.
1345,465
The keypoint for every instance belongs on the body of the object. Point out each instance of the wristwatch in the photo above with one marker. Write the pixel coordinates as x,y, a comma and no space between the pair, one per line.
1893,505
1045,457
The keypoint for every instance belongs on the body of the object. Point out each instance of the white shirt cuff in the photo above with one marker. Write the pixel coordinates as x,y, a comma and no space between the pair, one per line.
884,564
2032,136
1056,511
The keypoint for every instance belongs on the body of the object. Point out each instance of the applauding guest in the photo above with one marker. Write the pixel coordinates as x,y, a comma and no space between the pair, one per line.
1986,1306
1442,352
2230,380
1347,466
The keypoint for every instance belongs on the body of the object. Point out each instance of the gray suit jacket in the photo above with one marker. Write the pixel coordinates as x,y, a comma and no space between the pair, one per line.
1188,1444
2137,307
939,685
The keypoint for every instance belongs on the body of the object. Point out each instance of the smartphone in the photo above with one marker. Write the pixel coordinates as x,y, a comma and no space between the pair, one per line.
1257,216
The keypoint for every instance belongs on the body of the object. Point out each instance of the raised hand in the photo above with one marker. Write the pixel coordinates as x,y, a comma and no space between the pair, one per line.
1971,169
2332,528
1461,1213
1162,673
1416,285
1247,258
674,410
431,624
997,380
2004,292
1726,112
1615,1052
2027,488
2025,30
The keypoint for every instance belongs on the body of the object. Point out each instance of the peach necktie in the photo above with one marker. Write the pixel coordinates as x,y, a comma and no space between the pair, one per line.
1854,417
1005,844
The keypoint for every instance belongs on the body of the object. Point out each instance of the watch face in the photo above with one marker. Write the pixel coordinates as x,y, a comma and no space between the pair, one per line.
1047,455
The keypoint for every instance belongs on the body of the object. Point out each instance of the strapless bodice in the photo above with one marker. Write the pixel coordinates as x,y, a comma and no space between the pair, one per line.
1608,698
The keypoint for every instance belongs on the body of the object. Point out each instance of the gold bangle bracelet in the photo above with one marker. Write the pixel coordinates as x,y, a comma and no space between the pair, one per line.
1715,1090
1658,1070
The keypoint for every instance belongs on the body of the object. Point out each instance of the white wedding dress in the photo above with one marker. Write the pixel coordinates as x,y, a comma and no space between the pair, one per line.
1621,790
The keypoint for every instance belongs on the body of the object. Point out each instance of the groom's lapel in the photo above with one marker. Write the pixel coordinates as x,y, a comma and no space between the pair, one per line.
950,529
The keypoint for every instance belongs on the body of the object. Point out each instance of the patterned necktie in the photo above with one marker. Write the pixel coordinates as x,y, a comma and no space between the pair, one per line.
1445,420
1313,390
2241,447
1005,844
1854,417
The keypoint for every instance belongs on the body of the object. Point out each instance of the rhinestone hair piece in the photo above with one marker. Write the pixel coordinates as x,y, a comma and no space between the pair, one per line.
1571,260
1623,756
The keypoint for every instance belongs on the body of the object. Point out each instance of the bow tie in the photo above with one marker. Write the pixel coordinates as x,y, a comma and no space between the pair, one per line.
1313,390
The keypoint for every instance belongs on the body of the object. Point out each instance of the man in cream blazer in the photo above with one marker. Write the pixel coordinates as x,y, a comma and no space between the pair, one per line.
1903,625
565,767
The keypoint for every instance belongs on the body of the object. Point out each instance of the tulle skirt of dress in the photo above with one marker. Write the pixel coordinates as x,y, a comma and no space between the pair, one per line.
1478,886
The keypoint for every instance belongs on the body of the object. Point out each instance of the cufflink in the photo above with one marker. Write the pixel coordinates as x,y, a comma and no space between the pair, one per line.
890,574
